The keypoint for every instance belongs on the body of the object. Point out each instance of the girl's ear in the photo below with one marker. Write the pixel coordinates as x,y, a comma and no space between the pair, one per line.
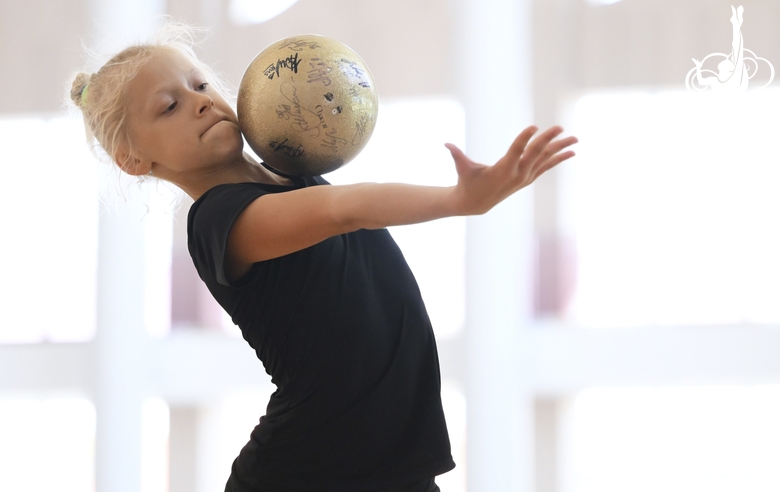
129,163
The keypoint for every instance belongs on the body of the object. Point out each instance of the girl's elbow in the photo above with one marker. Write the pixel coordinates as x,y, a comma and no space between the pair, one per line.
348,212
340,217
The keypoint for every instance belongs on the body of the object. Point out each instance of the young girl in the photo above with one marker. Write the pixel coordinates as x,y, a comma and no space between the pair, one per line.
308,272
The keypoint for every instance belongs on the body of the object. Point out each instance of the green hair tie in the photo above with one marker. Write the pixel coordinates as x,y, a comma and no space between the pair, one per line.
84,94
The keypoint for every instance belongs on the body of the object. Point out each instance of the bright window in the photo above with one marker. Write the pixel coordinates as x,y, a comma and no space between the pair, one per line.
48,256
673,200
47,444
243,12
155,445
683,439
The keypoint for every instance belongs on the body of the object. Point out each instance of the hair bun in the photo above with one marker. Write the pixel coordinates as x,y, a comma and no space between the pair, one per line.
77,89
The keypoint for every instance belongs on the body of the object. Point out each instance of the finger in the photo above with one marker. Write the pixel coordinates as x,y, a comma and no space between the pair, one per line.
518,146
538,145
554,161
555,147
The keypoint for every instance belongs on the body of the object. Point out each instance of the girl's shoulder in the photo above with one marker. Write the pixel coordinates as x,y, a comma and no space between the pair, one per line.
227,188
226,201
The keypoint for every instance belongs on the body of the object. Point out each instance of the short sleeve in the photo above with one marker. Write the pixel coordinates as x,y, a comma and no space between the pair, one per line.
208,225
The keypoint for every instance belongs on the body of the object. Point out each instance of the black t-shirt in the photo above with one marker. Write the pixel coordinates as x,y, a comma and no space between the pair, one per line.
342,330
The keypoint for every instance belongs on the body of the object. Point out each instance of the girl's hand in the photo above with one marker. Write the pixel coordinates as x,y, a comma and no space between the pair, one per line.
481,187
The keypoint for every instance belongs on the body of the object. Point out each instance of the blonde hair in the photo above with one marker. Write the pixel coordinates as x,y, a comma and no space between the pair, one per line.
102,96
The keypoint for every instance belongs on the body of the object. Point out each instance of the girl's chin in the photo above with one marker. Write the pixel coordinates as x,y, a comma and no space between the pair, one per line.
231,147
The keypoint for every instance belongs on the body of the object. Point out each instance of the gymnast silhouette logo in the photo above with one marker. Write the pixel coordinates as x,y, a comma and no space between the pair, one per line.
734,71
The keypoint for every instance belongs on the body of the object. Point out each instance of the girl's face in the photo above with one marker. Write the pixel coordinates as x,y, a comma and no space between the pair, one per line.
178,124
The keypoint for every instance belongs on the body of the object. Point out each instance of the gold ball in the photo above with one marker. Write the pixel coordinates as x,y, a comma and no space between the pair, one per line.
307,105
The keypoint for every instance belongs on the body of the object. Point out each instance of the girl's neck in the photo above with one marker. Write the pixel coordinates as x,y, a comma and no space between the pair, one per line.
245,170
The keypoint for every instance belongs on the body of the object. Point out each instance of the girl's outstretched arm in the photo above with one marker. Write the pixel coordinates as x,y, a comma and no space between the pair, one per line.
281,223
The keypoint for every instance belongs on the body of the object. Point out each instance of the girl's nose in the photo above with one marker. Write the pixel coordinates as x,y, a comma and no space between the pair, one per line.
205,104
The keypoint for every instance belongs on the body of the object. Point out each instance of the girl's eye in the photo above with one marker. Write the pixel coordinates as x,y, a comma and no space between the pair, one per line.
170,108
203,86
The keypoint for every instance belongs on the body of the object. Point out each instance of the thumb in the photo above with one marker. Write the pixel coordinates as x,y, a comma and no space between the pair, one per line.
455,151
462,163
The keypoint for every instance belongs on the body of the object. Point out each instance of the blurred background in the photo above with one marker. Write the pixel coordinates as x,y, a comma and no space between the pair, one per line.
612,327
